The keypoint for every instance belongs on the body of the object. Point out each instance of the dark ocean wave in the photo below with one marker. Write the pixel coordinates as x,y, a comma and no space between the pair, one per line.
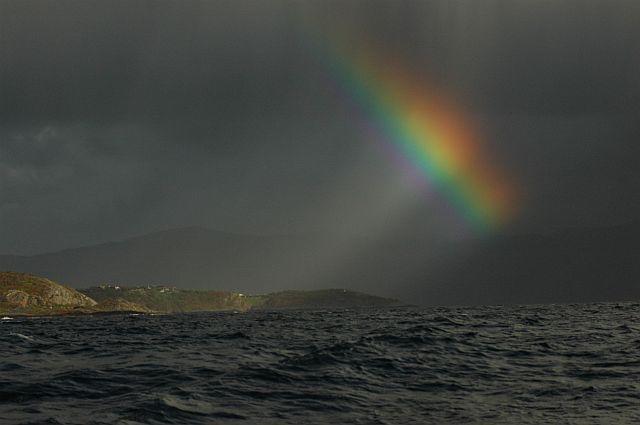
532,364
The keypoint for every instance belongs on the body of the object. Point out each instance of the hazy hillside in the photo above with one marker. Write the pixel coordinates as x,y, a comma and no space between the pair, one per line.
199,258
579,264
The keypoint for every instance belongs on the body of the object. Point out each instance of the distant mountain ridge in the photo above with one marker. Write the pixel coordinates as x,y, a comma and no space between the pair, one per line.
200,258
572,265
188,257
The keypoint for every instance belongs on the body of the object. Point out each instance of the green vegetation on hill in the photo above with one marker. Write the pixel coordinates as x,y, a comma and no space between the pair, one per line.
119,305
24,294
172,300
169,299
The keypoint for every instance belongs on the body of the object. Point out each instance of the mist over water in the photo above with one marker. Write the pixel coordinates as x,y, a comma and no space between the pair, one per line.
527,364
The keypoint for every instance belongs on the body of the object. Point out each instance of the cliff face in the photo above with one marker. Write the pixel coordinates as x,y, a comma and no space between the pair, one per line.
23,291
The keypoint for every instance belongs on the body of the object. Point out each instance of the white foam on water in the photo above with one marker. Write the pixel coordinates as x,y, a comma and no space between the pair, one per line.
27,337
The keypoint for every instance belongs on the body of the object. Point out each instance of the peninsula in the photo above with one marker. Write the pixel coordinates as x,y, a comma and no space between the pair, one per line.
28,295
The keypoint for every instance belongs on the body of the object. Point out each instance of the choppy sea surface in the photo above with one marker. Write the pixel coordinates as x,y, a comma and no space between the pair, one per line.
527,364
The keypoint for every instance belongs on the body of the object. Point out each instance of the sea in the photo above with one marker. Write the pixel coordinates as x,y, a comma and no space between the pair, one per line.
538,364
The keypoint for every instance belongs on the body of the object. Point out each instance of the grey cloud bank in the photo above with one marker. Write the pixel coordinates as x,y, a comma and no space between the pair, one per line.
123,118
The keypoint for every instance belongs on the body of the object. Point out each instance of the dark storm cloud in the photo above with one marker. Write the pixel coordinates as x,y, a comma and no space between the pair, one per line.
143,62
119,118
216,60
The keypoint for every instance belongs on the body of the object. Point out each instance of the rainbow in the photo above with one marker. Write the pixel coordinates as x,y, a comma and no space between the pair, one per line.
426,132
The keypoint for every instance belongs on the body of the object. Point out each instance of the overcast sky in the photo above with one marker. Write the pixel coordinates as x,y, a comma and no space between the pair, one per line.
121,118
